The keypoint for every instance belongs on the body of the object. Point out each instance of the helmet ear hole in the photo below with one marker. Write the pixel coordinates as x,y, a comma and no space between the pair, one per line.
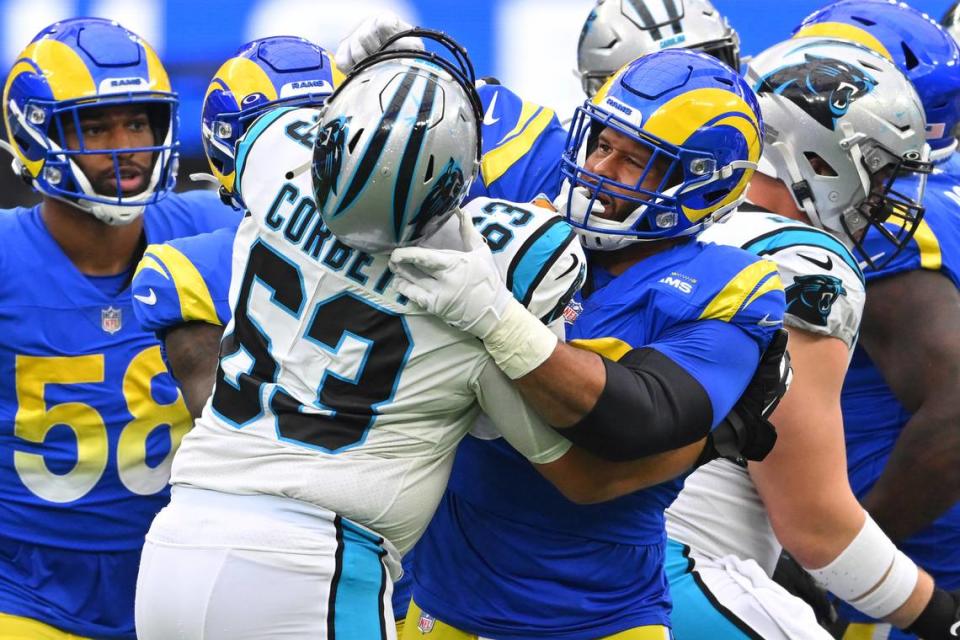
354,140
820,166
429,173
909,56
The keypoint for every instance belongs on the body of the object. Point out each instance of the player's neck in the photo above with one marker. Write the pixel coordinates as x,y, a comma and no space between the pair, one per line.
95,248
616,262
774,196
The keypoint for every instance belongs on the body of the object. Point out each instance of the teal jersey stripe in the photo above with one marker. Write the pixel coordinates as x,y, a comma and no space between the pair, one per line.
250,137
792,237
528,270
358,612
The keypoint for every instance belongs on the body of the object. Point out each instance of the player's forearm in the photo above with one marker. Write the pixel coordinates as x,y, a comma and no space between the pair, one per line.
921,480
566,387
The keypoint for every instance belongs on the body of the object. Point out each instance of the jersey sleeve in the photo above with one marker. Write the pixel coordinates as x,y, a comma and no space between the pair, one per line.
824,295
184,280
719,355
515,420
521,145
538,254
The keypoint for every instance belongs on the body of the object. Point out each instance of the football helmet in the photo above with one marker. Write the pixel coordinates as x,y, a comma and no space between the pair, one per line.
398,145
699,122
263,74
78,64
618,31
951,21
915,43
842,125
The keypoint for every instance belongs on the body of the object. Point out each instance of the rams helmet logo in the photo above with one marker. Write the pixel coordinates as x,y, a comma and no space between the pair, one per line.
823,87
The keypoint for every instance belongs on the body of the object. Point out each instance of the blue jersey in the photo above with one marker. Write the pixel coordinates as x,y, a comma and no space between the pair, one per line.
872,415
89,421
184,280
506,556
521,144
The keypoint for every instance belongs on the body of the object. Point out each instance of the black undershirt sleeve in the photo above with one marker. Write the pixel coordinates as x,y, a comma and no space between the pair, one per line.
649,405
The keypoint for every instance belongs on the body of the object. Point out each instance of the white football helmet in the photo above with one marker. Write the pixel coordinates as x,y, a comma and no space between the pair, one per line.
398,146
619,31
841,125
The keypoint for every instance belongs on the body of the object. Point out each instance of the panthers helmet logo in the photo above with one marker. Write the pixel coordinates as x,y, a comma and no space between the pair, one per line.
823,87
810,298
443,196
327,158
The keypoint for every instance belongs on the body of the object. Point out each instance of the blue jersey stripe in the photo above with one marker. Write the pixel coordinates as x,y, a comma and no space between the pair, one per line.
359,591
530,265
792,237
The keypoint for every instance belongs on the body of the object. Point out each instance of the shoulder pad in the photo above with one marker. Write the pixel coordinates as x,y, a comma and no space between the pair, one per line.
184,280
537,252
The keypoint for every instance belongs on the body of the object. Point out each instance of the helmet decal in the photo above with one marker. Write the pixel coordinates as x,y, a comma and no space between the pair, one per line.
807,83
328,158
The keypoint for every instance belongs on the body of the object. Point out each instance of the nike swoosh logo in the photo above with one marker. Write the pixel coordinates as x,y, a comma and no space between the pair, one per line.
150,299
488,118
576,262
826,265
765,321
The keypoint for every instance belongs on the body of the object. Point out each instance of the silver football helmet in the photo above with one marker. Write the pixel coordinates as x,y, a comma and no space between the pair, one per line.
619,31
842,124
398,146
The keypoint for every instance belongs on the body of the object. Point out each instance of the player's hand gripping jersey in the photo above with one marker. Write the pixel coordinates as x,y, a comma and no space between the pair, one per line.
327,373
89,420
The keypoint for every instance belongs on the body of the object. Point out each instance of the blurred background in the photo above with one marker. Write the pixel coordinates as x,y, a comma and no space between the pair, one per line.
530,45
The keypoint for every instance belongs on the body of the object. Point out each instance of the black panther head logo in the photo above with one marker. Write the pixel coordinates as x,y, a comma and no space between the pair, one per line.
327,159
443,196
823,87
810,298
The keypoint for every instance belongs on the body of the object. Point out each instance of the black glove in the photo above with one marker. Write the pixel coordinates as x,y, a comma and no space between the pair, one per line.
746,434
940,620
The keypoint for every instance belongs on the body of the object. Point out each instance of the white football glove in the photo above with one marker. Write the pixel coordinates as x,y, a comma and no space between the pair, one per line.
367,39
465,290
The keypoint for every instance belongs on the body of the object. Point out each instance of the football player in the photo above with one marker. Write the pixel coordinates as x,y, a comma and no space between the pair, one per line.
331,428
667,145
842,124
90,415
899,400
180,288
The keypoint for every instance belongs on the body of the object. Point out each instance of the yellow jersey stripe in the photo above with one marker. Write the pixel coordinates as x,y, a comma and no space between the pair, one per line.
646,632
867,631
609,348
773,283
498,161
149,262
195,300
929,246
740,290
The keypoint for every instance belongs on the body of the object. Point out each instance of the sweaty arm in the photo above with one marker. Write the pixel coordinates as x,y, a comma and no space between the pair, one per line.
919,357
804,487
193,349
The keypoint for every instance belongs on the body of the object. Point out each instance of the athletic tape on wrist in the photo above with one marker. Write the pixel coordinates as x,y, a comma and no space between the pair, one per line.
520,342
871,573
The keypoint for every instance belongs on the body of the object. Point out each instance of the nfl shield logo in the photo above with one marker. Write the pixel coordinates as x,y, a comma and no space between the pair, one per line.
572,312
426,623
111,320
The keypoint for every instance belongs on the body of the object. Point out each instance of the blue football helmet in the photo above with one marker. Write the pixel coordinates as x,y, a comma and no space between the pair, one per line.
915,43
262,75
79,64
700,124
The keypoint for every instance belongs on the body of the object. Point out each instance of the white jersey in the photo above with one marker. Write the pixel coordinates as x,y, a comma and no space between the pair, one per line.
332,388
719,511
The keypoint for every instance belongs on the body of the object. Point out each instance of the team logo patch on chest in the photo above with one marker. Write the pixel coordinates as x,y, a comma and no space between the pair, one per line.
111,320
